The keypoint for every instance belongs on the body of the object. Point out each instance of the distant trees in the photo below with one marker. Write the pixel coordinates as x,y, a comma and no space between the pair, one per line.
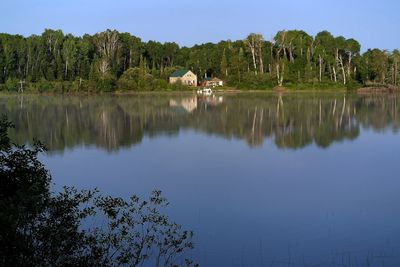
394,59
96,62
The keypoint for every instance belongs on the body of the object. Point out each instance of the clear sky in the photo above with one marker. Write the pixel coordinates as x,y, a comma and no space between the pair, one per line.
375,24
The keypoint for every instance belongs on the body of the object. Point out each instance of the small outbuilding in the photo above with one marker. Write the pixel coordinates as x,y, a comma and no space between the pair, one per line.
185,76
212,82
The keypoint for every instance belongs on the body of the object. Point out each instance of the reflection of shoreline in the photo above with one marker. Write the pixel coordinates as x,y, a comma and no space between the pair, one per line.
113,122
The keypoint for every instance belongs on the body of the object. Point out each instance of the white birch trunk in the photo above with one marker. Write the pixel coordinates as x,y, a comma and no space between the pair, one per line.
334,74
320,68
343,71
254,59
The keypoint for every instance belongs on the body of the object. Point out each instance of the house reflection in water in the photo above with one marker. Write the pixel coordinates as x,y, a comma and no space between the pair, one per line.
212,100
189,104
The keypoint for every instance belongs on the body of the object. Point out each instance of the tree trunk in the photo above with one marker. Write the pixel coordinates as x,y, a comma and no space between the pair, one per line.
260,59
349,67
272,52
66,69
27,67
343,71
334,74
254,60
336,62
284,52
320,68
291,53
279,74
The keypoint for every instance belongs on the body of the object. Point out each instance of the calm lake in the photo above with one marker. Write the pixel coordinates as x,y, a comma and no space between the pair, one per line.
262,179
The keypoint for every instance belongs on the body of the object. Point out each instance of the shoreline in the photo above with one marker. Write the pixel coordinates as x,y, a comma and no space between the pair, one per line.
280,90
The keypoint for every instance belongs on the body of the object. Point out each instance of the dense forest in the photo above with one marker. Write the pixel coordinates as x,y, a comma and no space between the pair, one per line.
110,60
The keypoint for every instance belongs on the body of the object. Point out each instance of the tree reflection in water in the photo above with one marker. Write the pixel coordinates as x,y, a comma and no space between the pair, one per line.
292,120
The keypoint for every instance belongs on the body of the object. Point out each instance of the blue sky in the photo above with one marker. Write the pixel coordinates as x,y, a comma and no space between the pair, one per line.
373,23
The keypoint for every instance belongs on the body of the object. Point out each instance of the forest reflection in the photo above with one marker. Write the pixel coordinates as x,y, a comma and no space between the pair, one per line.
111,122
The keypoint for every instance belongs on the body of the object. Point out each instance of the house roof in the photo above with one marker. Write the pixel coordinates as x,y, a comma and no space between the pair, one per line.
179,73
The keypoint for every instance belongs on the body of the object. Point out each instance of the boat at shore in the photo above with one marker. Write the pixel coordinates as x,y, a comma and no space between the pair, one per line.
205,91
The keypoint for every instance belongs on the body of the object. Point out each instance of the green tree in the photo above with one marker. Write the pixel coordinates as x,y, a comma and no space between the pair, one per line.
376,63
224,65
69,52
53,67
394,70
254,43
325,47
130,79
107,44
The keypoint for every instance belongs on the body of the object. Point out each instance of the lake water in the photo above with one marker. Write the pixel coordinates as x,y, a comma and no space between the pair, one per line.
262,179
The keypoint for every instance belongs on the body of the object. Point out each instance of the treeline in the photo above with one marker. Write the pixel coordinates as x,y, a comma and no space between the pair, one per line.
111,60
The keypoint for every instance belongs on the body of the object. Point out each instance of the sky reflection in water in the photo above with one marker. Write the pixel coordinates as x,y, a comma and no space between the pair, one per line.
262,179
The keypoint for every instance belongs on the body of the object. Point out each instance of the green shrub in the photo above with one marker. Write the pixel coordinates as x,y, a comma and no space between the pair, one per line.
11,84
160,84
106,83
44,86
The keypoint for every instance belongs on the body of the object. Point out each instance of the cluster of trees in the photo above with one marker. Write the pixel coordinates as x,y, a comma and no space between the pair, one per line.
78,228
110,60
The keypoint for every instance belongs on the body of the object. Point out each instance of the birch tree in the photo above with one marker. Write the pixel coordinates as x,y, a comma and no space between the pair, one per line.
107,45
254,43
69,52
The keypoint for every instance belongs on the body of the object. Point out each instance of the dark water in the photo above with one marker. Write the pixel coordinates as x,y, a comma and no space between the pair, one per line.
262,179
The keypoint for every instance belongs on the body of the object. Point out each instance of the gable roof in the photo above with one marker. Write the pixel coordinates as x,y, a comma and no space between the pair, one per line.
179,73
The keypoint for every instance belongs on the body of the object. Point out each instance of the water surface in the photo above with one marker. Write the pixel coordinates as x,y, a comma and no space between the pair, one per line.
262,179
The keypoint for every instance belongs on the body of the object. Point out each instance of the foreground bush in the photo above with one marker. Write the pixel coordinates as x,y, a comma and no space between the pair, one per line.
78,228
